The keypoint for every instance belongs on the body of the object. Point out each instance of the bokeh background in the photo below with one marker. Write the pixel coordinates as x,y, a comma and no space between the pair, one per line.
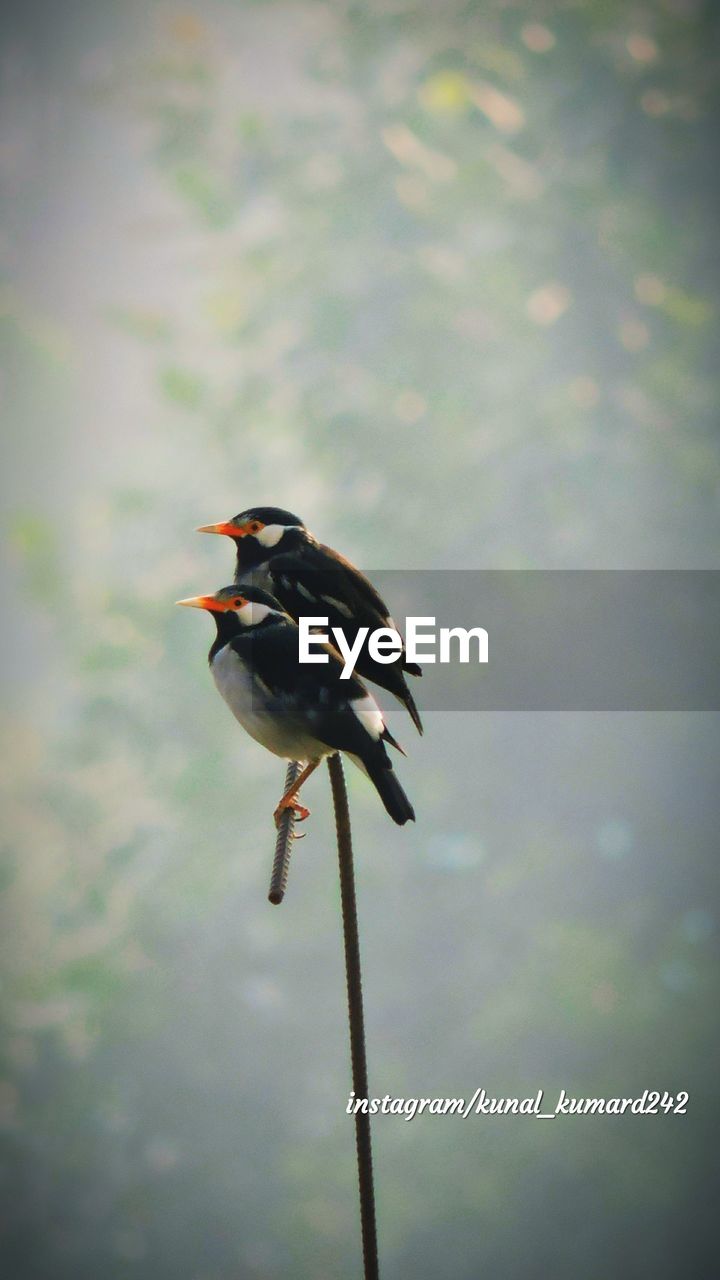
442,277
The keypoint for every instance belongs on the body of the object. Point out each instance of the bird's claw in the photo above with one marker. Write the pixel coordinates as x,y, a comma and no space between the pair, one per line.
291,802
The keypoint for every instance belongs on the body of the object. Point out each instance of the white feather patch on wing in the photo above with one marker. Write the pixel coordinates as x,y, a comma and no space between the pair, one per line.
271,534
338,604
307,594
369,714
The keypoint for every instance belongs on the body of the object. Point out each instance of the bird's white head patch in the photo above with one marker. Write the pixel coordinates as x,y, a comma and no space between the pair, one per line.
252,613
270,534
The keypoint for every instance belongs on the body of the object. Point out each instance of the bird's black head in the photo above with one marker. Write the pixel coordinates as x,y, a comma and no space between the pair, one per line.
240,608
265,516
259,533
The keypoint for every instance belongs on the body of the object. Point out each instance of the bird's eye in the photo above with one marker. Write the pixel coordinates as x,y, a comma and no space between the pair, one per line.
255,526
238,604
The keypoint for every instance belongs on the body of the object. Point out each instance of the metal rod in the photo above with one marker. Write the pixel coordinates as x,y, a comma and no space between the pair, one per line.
283,844
355,1016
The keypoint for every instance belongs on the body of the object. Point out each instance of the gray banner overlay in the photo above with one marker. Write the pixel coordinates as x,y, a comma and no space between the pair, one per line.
568,640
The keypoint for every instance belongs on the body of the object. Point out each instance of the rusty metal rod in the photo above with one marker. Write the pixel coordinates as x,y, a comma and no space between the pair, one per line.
356,1017
284,842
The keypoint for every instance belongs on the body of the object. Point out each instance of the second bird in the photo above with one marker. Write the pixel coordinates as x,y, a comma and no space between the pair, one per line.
281,555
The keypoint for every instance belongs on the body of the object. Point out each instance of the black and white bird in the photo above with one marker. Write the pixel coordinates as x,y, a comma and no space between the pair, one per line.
297,711
278,553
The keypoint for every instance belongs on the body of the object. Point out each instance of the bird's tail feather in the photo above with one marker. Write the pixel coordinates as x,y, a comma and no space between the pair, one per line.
388,737
392,795
409,703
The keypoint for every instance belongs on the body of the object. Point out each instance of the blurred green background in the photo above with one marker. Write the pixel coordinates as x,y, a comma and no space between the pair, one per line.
443,279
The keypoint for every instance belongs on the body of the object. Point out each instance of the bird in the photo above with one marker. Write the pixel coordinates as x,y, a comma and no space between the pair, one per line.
276,551
297,711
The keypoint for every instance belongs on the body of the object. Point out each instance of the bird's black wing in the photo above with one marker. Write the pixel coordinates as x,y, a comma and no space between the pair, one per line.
314,577
340,713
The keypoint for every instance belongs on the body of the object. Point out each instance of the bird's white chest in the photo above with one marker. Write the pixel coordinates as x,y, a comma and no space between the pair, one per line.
257,711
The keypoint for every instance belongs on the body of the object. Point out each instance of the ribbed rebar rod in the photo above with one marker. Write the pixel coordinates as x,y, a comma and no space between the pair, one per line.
355,1016
283,844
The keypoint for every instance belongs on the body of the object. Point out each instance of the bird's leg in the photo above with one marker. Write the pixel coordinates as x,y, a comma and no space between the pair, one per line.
290,800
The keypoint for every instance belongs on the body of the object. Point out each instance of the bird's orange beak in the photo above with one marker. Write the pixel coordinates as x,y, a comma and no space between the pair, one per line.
227,527
205,602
